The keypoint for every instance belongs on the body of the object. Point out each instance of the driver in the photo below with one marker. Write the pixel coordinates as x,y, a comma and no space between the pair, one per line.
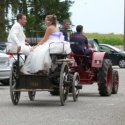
79,43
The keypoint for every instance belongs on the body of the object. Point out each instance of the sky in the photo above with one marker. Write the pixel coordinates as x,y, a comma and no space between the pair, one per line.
99,16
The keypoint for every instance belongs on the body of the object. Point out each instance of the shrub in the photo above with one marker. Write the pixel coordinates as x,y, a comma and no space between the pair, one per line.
112,39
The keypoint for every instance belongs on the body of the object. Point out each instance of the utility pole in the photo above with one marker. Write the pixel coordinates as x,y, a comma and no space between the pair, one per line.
124,27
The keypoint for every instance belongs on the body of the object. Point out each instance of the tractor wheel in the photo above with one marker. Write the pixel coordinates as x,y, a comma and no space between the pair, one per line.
75,83
115,82
105,78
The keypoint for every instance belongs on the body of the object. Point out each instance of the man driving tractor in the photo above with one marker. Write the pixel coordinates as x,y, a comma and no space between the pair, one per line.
79,44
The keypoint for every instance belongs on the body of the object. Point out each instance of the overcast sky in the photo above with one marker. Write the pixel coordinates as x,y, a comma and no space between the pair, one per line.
99,16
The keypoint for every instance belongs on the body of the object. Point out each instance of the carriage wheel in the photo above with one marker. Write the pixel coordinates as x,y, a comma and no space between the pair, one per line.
75,83
15,95
31,95
63,88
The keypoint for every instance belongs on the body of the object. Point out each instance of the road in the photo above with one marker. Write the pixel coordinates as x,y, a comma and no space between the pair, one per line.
90,109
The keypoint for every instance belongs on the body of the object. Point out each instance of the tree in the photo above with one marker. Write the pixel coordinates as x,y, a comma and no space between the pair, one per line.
40,8
35,10
2,21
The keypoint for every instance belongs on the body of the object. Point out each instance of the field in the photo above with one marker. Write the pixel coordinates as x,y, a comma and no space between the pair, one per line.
112,39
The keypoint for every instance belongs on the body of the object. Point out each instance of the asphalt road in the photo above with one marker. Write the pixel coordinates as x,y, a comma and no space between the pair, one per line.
90,109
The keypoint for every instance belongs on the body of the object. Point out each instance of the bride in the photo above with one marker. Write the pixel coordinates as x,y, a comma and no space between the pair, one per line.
39,58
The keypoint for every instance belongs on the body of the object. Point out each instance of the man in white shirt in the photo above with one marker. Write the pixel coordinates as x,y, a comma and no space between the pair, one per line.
16,38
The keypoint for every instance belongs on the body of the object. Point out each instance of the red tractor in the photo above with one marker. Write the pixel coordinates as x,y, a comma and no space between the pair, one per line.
99,69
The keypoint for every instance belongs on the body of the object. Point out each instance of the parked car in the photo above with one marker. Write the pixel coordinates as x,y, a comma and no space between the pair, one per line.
116,55
5,68
2,46
94,44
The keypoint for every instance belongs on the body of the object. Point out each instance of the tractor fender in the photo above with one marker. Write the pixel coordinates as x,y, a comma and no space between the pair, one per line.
97,59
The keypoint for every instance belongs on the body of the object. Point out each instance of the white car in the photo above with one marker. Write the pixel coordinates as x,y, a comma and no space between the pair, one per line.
5,68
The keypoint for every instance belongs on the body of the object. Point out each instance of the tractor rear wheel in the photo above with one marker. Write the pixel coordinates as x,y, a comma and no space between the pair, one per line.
105,78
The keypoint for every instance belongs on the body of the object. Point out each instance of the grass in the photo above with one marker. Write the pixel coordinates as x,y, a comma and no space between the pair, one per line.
112,39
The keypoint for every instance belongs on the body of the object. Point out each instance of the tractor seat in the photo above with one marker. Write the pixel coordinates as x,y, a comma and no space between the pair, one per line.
82,61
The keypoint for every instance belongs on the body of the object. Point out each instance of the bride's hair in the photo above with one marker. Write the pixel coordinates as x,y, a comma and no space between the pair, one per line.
52,18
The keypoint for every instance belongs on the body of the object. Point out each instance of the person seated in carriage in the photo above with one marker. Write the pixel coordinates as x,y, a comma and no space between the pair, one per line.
39,58
17,41
79,44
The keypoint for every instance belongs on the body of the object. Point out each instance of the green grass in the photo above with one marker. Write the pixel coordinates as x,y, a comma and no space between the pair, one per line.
112,39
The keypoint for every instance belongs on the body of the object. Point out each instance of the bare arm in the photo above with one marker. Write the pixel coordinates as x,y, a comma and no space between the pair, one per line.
46,36
49,31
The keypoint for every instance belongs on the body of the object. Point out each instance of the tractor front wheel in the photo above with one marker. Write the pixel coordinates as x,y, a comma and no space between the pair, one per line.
115,82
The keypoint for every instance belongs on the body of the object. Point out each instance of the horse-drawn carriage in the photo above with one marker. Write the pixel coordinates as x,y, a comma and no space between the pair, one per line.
59,77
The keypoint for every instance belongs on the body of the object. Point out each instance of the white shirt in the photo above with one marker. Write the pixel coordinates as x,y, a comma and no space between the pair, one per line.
16,35
17,38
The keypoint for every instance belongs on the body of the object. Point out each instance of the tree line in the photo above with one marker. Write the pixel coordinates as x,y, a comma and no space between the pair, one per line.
35,10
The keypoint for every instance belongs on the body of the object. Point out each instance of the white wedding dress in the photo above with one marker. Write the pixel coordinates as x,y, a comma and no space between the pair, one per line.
40,59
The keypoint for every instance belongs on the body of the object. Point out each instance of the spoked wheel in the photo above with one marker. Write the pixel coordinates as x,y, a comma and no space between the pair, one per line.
15,95
31,95
63,87
75,83
115,82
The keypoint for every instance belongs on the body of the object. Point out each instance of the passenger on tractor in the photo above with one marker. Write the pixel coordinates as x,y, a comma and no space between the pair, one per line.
79,45
65,29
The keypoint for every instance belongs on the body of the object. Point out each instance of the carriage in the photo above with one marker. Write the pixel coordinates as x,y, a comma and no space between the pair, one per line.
60,78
